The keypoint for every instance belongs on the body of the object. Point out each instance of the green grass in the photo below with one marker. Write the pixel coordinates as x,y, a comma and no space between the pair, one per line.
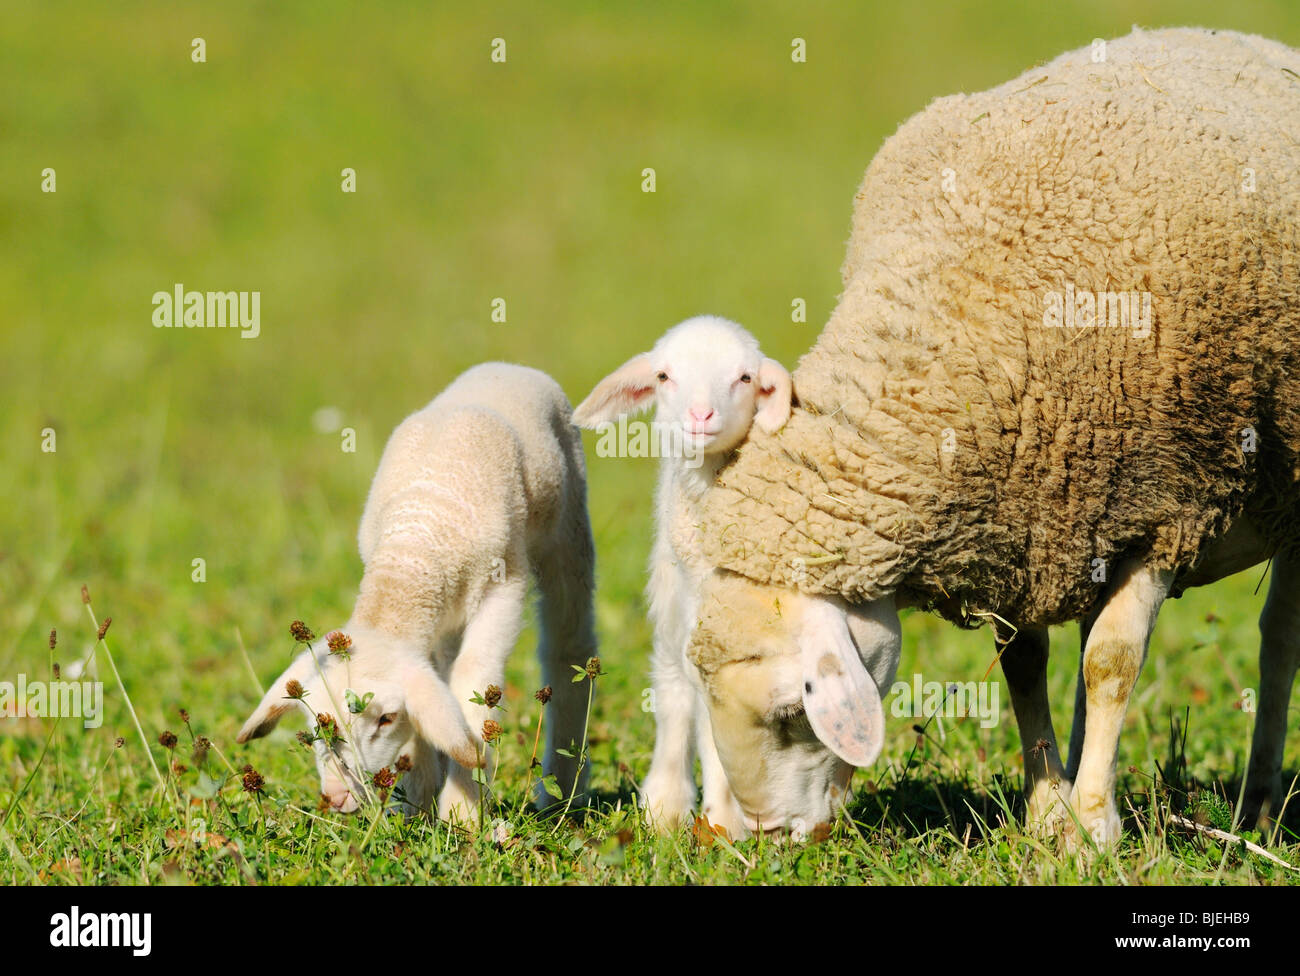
476,181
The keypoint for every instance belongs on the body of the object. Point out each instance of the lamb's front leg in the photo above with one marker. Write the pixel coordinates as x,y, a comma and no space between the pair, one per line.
1024,662
668,790
1112,661
489,638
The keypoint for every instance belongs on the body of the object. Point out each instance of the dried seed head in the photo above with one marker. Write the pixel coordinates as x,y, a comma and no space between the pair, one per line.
306,738
491,731
54,639
593,667
404,764
384,779
85,594
201,746
253,781
185,715
167,740
492,697
327,729
544,695
119,742
179,768
103,628
338,643
301,633
56,671
293,688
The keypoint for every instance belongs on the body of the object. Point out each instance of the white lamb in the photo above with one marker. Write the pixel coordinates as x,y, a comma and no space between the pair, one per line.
709,382
483,486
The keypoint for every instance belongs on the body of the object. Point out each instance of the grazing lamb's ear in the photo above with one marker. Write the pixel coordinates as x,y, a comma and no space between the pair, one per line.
437,716
775,393
839,696
275,704
628,389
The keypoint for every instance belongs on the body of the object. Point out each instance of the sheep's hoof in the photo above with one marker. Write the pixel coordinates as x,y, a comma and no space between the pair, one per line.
667,802
1046,808
1256,811
725,812
1099,817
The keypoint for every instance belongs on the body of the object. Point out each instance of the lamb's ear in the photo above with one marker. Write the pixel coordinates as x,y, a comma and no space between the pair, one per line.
275,704
841,699
775,394
628,389
437,717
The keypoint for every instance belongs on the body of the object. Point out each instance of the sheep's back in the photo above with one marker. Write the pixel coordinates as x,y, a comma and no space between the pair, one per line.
954,446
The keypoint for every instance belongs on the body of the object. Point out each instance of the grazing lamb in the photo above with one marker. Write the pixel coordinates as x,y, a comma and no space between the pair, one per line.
982,435
709,383
482,486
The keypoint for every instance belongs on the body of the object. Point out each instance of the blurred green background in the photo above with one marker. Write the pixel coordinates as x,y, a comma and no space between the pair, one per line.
475,181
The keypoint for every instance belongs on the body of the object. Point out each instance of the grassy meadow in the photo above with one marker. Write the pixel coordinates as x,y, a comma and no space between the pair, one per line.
135,451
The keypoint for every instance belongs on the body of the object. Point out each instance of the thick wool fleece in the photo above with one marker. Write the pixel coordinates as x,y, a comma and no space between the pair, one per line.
955,446
484,481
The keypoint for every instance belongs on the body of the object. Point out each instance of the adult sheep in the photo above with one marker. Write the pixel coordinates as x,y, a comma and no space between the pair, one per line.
983,435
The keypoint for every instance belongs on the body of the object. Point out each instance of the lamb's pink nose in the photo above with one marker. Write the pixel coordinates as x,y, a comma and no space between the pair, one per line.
342,800
700,414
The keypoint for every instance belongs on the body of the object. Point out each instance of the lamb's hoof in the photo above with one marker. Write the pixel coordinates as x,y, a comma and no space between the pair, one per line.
458,808
667,803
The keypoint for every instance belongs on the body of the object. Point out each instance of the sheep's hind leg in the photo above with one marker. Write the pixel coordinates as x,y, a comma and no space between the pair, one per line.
567,640
1112,661
1024,662
1279,654
1080,718
489,637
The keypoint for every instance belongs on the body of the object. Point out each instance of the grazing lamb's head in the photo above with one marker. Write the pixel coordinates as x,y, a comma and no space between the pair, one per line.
376,701
708,381
792,686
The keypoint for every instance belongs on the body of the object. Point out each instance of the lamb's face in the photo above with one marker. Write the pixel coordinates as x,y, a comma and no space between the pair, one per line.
708,379
367,709
367,741
709,384
792,690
